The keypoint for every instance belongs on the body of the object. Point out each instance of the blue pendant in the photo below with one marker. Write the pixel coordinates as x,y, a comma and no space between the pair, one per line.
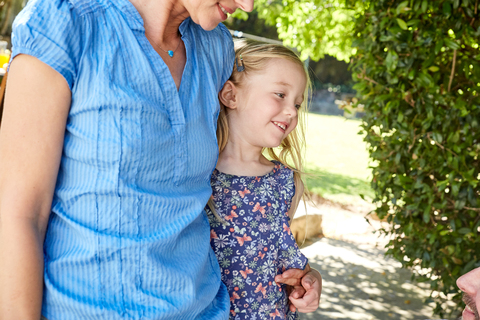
170,53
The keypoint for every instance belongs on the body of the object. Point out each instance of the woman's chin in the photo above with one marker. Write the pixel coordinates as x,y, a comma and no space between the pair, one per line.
207,24
209,27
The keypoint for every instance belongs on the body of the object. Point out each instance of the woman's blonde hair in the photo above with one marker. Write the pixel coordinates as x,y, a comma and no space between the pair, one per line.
253,57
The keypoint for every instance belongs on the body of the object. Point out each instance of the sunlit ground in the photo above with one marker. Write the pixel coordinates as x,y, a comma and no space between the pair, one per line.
359,282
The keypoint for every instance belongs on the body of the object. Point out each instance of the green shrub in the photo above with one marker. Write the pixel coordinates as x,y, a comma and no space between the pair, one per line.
417,69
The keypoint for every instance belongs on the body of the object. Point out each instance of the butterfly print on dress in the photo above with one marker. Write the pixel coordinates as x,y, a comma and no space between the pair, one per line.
254,243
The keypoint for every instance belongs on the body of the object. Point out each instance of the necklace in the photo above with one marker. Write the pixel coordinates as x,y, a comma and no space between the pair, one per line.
170,52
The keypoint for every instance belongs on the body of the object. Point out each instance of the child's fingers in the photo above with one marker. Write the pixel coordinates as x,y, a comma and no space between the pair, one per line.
294,292
308,303
308,281
297,292
292,307
304,289
292,277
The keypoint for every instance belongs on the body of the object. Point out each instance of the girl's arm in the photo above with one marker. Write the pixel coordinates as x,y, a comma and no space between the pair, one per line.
307,284
299,189
37,103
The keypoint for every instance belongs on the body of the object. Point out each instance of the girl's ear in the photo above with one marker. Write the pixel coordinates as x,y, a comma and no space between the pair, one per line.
228,95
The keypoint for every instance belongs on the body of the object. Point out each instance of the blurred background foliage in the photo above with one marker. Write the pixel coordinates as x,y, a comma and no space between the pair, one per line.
417,68
8,11
316,28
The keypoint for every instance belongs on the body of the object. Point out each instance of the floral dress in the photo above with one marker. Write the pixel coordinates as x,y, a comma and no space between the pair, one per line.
254,243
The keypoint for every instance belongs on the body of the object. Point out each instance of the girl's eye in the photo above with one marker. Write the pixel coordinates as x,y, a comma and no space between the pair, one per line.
281,95
298,106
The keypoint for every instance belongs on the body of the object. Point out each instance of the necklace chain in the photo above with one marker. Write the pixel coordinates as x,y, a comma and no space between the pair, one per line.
169,52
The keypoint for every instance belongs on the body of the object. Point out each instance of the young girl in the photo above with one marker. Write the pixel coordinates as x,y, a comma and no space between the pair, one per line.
254,198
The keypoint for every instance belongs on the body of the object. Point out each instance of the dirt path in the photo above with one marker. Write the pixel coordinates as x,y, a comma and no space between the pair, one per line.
358,281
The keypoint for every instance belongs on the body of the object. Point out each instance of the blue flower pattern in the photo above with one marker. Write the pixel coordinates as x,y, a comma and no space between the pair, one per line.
256,243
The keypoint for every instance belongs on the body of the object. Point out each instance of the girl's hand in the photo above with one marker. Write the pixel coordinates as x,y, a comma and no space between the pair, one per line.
307,288
309,302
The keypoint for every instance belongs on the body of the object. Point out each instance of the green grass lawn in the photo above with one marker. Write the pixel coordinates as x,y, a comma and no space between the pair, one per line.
337,159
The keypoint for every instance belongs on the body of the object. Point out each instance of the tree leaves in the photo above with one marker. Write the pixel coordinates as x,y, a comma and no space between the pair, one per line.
424,137
391,61
315,27
451,44
402,24
402,7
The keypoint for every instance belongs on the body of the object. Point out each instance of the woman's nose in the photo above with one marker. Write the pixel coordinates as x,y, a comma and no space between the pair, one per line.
245,5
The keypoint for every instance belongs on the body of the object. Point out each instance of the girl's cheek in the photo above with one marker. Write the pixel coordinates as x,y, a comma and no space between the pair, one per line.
293,125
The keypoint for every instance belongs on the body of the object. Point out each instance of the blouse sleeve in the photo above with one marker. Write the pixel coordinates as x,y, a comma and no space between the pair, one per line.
229,55
47,30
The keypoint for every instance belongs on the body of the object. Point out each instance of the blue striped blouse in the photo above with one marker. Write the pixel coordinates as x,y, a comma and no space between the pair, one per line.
127,237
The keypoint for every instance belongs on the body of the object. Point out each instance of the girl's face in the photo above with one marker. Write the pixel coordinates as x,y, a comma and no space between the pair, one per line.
209,13
267,103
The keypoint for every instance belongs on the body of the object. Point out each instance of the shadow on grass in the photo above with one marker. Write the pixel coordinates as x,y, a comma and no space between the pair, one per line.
327,184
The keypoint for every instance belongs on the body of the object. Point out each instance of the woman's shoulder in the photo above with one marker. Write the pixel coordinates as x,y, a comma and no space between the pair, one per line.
58,18
54,32
58,11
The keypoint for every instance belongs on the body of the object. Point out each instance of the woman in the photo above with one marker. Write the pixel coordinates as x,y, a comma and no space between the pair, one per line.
110,111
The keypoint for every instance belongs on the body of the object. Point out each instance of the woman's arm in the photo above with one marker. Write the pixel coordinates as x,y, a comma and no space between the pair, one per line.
37,103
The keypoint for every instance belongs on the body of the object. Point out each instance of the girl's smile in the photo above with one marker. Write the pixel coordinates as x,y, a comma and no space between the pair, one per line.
282,125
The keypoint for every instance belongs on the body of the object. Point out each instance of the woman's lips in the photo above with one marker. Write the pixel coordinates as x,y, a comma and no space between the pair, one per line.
229,10
222,12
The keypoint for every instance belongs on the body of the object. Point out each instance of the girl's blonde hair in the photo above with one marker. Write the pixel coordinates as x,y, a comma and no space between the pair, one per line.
253,56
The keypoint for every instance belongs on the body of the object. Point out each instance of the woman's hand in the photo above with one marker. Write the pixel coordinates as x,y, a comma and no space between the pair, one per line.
307,288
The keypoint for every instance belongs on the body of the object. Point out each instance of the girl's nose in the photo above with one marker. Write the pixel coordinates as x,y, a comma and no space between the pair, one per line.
292,111
470,282
245,5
